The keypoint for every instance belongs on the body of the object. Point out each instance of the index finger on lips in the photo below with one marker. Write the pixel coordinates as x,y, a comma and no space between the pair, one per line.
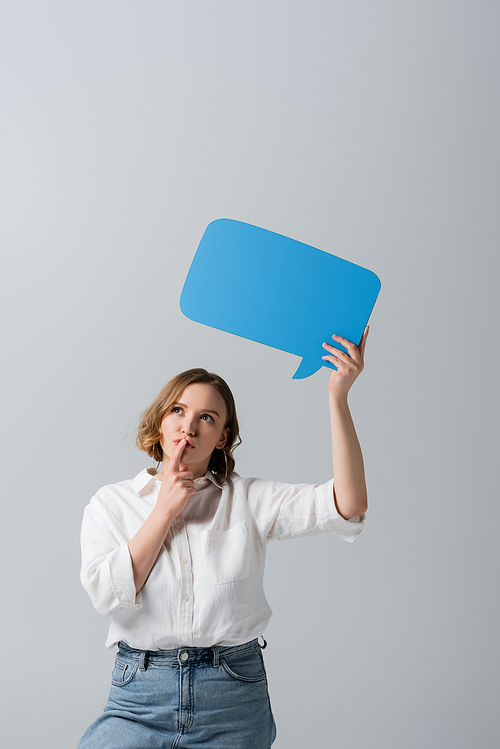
175,460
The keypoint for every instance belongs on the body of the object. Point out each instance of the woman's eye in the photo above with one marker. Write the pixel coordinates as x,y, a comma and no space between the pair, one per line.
176,410
207,417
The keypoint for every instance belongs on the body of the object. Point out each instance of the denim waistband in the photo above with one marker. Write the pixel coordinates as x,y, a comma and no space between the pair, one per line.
183,656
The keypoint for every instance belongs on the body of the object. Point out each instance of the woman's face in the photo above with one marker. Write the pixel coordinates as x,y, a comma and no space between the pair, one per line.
198,416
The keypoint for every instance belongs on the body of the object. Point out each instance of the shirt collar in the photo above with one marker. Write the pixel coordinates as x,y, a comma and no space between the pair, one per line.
142,480
209,475
146,480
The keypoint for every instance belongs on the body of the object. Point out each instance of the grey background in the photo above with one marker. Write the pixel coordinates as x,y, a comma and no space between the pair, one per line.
366,128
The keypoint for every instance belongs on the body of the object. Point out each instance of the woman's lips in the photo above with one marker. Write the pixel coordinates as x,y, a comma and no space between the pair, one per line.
187,446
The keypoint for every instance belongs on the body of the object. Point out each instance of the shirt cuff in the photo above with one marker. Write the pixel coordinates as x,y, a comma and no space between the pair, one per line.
330,520
357,519
122,578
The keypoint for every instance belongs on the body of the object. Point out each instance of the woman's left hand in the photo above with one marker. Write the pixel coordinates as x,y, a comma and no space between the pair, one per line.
349,366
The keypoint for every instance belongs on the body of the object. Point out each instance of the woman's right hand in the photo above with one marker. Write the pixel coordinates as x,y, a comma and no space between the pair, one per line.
176,490
177,486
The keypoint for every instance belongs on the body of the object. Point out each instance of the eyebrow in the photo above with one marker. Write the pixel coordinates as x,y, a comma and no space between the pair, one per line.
205,410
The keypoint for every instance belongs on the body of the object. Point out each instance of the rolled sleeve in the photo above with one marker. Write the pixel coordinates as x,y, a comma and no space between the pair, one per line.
329,518
107,574
122,577
285,511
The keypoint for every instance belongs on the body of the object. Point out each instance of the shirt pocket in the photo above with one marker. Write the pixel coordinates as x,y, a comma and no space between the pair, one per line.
225,554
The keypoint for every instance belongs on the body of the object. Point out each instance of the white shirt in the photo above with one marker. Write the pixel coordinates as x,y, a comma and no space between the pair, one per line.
206,587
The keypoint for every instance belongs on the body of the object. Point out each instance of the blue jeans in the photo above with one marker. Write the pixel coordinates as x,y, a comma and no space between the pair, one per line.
210,698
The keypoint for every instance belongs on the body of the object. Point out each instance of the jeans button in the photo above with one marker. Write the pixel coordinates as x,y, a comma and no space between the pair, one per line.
184,656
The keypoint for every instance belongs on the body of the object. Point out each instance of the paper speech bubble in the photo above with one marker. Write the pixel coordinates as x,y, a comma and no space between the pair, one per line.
274,290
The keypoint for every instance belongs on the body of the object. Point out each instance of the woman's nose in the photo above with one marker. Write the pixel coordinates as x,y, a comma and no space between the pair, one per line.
188,428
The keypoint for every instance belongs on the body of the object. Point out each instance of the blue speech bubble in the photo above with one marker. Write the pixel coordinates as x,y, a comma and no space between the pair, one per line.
274,290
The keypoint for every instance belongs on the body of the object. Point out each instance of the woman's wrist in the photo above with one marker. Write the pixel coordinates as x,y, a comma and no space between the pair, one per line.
337,399
163,515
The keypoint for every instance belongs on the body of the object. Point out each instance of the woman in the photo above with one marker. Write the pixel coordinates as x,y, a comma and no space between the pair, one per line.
177,558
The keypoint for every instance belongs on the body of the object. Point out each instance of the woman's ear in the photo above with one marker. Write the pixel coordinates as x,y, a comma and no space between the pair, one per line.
223,438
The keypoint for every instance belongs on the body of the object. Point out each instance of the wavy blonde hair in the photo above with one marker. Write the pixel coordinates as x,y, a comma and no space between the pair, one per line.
149,431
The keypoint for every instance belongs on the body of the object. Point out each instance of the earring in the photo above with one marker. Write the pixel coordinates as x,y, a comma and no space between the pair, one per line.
225,461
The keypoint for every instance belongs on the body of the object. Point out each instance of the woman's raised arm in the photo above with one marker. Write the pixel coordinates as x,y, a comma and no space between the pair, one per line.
349,489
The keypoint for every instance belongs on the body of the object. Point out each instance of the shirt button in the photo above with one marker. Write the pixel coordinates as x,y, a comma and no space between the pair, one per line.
186,598
184,656
177,526
184,560
184,639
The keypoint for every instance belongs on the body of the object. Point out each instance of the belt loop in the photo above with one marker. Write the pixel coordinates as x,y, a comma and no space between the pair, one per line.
264,646
142,660
216,656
